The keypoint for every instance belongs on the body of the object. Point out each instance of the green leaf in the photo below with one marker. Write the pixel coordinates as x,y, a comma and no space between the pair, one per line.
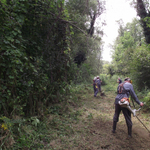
17,41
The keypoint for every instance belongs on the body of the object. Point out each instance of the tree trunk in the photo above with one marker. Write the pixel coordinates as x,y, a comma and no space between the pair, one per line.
141,11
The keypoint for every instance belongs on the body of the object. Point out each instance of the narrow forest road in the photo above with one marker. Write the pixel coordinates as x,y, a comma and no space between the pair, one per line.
102,109
92,131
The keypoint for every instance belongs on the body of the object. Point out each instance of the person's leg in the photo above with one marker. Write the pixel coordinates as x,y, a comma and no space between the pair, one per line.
127,115
94,88
114,126
130,131
116,116
99,87
96,91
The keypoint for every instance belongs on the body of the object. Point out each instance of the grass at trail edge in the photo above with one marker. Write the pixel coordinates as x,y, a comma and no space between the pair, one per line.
82,122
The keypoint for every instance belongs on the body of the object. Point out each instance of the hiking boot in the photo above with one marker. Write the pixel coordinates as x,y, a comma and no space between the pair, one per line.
114,127
129,137
130,132
113,131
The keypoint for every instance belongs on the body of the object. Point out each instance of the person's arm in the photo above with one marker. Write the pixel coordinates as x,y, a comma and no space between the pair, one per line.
94,83
120,81
134,96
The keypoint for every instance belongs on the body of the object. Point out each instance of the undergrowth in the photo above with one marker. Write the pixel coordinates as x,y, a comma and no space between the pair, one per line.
39,132
62,124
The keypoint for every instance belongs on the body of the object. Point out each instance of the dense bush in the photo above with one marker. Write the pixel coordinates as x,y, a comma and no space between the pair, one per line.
39,42
35,63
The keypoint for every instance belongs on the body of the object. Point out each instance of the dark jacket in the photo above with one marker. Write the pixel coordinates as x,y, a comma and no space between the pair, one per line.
120,81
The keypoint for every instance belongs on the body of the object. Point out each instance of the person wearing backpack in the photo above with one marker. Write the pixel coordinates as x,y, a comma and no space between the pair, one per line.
97,85
124,90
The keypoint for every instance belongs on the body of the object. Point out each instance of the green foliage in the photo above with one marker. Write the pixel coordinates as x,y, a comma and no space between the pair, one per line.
144,13
110,88
19,133
125,45
146,99
38,43
34,55
3,1
131,56
86,50
60,121
147,20
105,66
141,64
104,78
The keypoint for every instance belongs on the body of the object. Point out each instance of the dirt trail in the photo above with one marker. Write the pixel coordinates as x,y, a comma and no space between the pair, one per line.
101,126
93,125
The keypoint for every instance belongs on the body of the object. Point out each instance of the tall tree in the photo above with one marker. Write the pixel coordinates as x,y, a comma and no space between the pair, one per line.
35,54
125,44
144,13
86,40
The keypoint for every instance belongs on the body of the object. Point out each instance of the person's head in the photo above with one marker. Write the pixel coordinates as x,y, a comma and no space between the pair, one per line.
118,78
94,78
127,79
97,77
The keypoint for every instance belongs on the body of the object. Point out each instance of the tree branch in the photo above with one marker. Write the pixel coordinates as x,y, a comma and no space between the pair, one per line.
70,23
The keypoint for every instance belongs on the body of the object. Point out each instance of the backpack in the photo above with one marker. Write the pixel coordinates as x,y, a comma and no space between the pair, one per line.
121,89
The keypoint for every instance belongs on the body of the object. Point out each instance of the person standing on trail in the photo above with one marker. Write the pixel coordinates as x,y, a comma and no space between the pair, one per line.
94,88
97,85
119,81
124,90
